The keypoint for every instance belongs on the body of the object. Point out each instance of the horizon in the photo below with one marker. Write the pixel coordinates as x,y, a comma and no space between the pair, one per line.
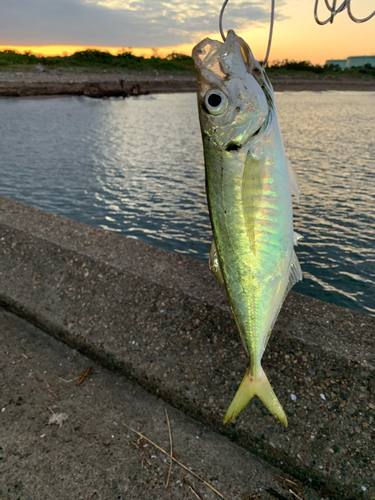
68,50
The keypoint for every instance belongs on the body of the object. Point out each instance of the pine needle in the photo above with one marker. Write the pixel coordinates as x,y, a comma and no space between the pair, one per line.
171,453
195,492
177,461
286,479
48,387
82,376
295,494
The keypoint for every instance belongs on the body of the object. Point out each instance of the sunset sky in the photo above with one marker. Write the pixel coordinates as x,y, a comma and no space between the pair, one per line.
58,26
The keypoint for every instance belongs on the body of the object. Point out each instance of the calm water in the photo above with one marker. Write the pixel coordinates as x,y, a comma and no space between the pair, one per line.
135,166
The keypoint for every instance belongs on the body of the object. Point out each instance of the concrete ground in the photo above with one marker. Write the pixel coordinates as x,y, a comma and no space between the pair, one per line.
92,455
160,319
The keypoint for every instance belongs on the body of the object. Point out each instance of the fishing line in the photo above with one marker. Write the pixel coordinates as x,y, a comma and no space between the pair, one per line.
221,20
264,62
346,4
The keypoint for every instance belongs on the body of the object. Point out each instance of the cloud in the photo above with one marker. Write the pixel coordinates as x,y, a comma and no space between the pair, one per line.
126,23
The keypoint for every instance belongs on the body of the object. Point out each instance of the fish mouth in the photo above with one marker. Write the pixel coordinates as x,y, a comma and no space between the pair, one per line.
236,146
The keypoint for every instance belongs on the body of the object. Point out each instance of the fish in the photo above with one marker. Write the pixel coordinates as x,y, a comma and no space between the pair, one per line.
249,185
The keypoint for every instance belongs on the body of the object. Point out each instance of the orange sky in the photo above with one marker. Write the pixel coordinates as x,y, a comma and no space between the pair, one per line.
297,37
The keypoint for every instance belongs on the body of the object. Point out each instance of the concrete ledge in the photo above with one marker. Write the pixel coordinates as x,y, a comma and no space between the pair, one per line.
161,320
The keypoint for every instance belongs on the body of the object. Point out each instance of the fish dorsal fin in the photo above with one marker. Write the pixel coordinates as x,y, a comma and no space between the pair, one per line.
293,179
295,272
214,262
296,237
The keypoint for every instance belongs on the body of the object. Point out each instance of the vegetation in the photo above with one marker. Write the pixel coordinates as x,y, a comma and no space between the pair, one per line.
91,59
96,59
307,68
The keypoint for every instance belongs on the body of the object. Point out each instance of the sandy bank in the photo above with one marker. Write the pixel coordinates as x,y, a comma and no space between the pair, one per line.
48,83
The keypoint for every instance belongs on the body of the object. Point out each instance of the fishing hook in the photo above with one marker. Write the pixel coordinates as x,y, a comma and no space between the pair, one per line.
264,62
332,9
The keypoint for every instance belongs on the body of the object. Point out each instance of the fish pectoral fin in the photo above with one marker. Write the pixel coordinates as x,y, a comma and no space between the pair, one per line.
214,262
295,272
251,386
293,179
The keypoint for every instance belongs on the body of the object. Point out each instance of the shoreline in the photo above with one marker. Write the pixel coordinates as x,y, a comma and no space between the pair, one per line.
51,83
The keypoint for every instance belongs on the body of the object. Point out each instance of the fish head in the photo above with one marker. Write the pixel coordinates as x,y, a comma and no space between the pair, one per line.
235,97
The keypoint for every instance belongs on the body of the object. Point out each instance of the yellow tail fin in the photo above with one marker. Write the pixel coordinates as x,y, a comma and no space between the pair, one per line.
251,386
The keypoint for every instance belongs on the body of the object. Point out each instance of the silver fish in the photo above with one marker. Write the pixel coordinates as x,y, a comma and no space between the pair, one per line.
248,184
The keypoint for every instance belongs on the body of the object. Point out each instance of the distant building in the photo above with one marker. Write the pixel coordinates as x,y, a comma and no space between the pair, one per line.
354,61
339,62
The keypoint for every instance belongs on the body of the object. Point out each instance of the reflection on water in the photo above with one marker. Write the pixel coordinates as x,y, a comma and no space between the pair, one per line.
330,139
135,166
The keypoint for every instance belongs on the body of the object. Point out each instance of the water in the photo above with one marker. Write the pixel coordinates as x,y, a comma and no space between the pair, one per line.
135,166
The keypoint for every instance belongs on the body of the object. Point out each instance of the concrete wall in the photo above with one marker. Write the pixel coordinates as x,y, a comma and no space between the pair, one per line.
161,320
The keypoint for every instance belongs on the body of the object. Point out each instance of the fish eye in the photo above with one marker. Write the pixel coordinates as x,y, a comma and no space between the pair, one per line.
215,102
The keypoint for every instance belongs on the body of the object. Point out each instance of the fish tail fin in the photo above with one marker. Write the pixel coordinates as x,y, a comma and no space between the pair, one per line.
251,386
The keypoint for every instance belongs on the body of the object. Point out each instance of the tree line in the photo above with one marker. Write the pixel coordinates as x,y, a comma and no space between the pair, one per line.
125,59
